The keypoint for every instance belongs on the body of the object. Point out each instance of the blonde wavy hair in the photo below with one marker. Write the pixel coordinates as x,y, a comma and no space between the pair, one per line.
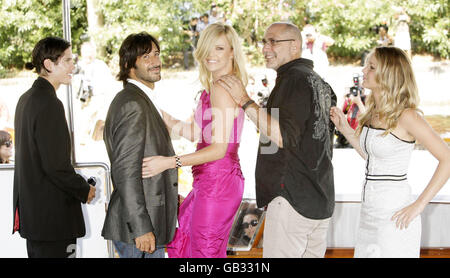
205,43
397,85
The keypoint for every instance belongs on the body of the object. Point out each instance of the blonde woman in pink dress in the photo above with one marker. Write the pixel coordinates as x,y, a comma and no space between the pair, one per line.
206,215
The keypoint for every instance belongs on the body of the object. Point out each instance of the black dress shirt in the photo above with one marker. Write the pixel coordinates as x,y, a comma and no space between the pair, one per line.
301,171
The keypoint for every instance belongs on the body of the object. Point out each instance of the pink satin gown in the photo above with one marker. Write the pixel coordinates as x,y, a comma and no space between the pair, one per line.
206,215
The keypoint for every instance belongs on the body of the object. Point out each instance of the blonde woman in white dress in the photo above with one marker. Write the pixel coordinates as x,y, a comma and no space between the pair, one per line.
390,223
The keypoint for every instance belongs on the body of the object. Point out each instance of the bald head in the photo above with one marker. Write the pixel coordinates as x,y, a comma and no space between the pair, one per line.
285,44
291,30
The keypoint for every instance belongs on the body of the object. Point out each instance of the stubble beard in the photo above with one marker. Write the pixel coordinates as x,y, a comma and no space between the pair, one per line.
147,76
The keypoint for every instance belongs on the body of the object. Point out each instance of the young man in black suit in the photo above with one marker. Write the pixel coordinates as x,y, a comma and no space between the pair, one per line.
47,191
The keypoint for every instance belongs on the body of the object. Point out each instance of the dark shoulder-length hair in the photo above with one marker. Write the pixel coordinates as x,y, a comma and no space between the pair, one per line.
48,48
132,47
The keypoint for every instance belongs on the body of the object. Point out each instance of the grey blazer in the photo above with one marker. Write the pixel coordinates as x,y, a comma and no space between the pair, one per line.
134,130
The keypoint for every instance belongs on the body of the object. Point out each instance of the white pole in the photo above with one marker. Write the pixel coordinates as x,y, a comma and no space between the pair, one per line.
68,37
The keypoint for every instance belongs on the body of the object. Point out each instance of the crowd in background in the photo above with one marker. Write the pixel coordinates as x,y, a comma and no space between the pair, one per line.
196,25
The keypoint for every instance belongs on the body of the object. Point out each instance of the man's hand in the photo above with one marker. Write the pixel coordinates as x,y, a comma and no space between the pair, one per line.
146,243
91,194
180,200
235,88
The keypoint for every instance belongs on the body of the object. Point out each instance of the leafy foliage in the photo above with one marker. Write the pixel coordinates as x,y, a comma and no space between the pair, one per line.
24,22
348,22
163,19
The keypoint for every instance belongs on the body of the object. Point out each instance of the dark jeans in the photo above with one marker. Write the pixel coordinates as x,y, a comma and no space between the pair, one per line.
52,249
126,250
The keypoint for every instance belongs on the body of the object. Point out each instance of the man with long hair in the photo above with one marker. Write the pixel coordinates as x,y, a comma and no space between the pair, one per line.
141,216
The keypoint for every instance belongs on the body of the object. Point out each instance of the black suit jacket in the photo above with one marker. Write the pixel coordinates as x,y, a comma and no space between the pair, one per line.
134,130
47,190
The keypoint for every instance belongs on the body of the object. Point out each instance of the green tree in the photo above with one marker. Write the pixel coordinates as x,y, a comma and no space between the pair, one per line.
351,22
348,22
430,26
24,22
251,18
162,19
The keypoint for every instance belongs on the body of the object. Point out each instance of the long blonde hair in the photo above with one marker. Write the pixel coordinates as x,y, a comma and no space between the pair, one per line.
397,87
207,38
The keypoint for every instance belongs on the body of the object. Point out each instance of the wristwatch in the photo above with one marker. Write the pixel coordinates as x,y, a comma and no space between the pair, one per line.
247,104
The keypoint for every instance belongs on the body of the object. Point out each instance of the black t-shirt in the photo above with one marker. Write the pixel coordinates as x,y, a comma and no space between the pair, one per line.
301,171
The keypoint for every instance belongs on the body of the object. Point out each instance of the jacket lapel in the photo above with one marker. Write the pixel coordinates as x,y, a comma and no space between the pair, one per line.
152,109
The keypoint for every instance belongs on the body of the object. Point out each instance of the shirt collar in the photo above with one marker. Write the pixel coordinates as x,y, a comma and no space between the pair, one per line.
147,90
299,61
45,84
